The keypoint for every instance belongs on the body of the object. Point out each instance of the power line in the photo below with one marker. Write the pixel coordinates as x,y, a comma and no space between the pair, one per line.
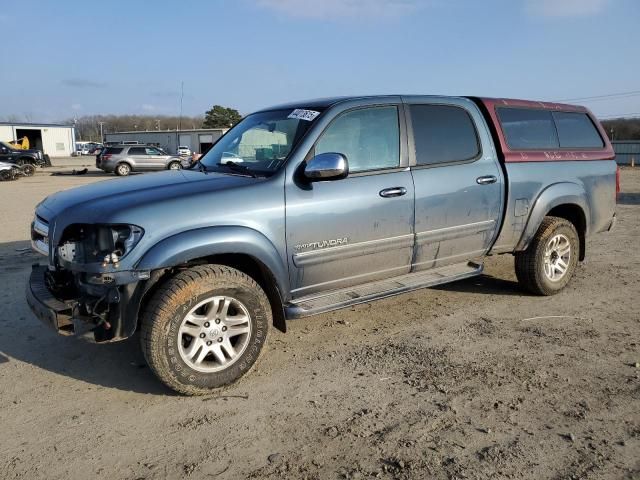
595,97
620,115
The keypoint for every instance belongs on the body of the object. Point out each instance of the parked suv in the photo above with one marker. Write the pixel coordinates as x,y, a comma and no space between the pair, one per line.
123,159
184,151
314,206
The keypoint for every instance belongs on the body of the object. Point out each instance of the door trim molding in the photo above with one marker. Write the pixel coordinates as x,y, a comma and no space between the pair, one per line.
449,233
341,252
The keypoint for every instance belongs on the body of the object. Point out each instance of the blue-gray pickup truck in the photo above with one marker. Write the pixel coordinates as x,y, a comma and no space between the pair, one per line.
314,206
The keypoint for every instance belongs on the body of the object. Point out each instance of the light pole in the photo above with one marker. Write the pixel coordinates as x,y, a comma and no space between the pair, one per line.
101,132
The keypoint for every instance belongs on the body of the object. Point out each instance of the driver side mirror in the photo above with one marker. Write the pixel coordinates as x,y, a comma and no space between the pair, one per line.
327,166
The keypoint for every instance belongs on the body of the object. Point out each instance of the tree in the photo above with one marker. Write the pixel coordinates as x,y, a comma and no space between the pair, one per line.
221,117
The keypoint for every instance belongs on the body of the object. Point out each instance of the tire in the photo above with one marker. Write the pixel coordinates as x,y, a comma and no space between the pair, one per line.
199,305
174,166
28,169
122,169
548,264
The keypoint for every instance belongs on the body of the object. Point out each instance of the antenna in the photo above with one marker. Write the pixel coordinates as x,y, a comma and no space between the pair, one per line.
181,97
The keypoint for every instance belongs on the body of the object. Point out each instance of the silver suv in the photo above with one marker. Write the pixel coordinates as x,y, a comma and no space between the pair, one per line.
122,159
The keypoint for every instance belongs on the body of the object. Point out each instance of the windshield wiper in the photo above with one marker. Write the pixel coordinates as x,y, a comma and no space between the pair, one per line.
202,167
238,168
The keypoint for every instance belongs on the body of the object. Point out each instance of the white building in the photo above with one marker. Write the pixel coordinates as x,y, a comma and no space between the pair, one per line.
55,140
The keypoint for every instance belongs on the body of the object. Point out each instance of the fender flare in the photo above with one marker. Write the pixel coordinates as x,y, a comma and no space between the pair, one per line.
563,193
204,242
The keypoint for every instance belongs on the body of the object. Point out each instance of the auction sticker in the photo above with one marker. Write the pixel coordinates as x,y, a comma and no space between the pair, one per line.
302,114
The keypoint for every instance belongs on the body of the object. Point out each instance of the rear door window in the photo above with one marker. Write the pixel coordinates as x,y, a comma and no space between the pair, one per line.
113,150
528,129
138,151
443,134
576,130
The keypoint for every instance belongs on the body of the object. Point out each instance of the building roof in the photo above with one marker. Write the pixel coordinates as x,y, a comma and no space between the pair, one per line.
24,124
188,130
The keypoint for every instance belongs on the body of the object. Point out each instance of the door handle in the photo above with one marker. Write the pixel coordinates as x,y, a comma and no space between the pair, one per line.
486,180
393,192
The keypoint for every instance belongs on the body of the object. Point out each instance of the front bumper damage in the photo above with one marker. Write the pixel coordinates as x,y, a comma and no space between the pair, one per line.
101,313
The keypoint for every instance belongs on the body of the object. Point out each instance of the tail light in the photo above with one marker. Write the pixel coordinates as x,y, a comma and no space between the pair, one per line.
617,182
105,156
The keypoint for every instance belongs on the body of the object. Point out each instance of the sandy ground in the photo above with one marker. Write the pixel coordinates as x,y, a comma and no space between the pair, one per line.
470,380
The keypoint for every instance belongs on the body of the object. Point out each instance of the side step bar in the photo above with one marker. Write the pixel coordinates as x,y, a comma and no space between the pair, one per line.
314,304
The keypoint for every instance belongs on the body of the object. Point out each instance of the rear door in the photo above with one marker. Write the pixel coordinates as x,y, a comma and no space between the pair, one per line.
459,185
138,156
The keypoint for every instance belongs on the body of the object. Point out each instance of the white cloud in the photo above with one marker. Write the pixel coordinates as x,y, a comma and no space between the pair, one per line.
148,108
334,9
566,8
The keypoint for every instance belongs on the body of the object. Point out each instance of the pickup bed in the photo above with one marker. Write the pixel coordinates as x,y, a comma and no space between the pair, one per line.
314,206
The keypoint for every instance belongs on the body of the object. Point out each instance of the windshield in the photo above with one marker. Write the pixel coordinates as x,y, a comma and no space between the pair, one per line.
260,142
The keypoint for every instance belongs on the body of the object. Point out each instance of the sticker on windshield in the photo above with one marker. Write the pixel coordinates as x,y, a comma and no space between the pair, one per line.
302,114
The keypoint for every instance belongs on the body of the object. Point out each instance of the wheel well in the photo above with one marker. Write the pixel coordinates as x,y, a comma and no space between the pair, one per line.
574,214
246,264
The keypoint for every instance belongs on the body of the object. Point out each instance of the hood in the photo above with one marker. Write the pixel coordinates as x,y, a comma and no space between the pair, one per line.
30,151
99,202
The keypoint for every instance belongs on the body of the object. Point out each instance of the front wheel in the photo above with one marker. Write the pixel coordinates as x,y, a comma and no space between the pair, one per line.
174,166
549,262
205,328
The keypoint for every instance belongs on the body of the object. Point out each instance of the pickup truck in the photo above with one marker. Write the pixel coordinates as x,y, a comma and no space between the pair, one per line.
314,206
28,159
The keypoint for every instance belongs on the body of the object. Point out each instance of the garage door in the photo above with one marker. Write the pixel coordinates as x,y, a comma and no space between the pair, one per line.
206,141
185,140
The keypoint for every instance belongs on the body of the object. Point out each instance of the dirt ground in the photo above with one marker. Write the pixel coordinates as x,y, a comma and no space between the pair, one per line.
470,380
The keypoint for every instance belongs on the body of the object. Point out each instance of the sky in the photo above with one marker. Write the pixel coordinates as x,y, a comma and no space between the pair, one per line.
68,58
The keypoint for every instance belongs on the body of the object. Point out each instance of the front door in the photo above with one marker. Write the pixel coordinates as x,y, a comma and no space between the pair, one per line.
360,228
459,186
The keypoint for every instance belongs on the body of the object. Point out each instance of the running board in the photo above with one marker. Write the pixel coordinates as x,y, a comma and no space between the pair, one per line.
314,304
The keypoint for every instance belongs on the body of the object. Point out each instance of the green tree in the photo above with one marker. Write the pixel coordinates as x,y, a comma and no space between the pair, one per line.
221,117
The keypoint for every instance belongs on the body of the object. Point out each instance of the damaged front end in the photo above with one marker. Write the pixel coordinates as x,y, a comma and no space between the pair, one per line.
84,290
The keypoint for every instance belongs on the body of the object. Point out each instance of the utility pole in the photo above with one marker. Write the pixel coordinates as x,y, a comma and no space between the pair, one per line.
179,117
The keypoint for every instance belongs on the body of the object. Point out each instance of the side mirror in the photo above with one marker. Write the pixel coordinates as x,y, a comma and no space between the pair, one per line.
327,166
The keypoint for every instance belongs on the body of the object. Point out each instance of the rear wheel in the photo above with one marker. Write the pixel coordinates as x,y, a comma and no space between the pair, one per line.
28,169
549,262
205,328
123,169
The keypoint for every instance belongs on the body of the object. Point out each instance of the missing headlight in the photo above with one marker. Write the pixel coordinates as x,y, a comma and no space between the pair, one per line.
106,244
